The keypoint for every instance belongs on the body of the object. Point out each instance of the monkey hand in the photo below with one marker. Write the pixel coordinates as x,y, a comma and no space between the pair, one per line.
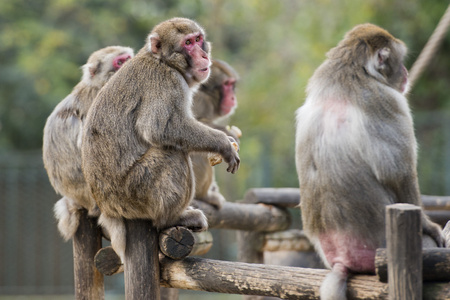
234,161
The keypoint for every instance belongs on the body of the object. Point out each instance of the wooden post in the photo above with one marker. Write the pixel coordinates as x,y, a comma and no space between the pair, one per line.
404,251
250,244
86,242
141,264
169,294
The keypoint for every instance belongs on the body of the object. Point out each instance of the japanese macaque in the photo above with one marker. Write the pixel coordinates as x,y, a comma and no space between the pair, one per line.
140,131
356,153
62,138
214,101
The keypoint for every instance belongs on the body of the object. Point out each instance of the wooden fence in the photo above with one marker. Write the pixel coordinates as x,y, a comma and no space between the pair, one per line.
155,260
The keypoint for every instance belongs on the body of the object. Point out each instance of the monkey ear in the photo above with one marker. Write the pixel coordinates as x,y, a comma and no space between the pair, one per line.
154,43
382,56
89,71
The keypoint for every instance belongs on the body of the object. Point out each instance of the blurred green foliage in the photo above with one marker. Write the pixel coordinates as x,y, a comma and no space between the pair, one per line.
274,45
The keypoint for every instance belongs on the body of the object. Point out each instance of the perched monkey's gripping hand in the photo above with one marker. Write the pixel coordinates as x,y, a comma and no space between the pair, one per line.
233,162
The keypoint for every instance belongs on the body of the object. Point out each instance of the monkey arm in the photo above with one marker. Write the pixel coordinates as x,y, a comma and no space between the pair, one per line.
222,128
171,124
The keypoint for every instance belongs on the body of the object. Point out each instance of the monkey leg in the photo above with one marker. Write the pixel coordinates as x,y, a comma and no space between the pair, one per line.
191,218
214,197
432,230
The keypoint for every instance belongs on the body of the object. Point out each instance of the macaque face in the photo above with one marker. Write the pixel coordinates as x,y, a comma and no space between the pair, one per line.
228,103
120,60
194,46
389,63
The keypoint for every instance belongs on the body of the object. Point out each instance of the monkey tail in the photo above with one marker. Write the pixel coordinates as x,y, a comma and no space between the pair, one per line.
66,212
334,287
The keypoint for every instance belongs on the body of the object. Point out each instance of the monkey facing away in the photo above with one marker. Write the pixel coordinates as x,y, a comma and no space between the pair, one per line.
214,101
356,153
62,137
140,131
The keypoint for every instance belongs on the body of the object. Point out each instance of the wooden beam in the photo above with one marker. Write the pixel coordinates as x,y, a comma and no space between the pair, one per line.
436,207
283,197
436,264
243,216
173,241
436,202
275,281
141,261
178,242
288,240
86,242
404,251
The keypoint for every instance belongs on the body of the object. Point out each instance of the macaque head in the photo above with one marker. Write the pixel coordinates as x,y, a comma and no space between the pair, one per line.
226,78
380,54
216,97
102,64
181,44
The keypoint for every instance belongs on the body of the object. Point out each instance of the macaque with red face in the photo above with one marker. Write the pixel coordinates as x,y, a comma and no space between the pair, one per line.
214,101
62,138
356,153
140,132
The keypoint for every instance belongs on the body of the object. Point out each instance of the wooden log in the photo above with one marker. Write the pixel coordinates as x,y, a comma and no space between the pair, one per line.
203,243
290,197
250,246
86,242
202,274
436,202
169,293
436,264
289,240
108,262
404,251
283,197
243,216
178,242
141,260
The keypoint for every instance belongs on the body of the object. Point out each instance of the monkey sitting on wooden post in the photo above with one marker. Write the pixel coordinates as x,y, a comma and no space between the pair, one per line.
62,138
356,153
140,132
214,101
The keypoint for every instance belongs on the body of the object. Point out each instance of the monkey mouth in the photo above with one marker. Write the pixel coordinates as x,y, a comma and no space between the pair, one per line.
204,70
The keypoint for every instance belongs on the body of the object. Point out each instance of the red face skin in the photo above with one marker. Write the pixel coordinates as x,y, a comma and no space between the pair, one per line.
120,60
228,102
193,43
405,80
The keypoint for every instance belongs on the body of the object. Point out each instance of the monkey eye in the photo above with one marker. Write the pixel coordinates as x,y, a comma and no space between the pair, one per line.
197,39
188,42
